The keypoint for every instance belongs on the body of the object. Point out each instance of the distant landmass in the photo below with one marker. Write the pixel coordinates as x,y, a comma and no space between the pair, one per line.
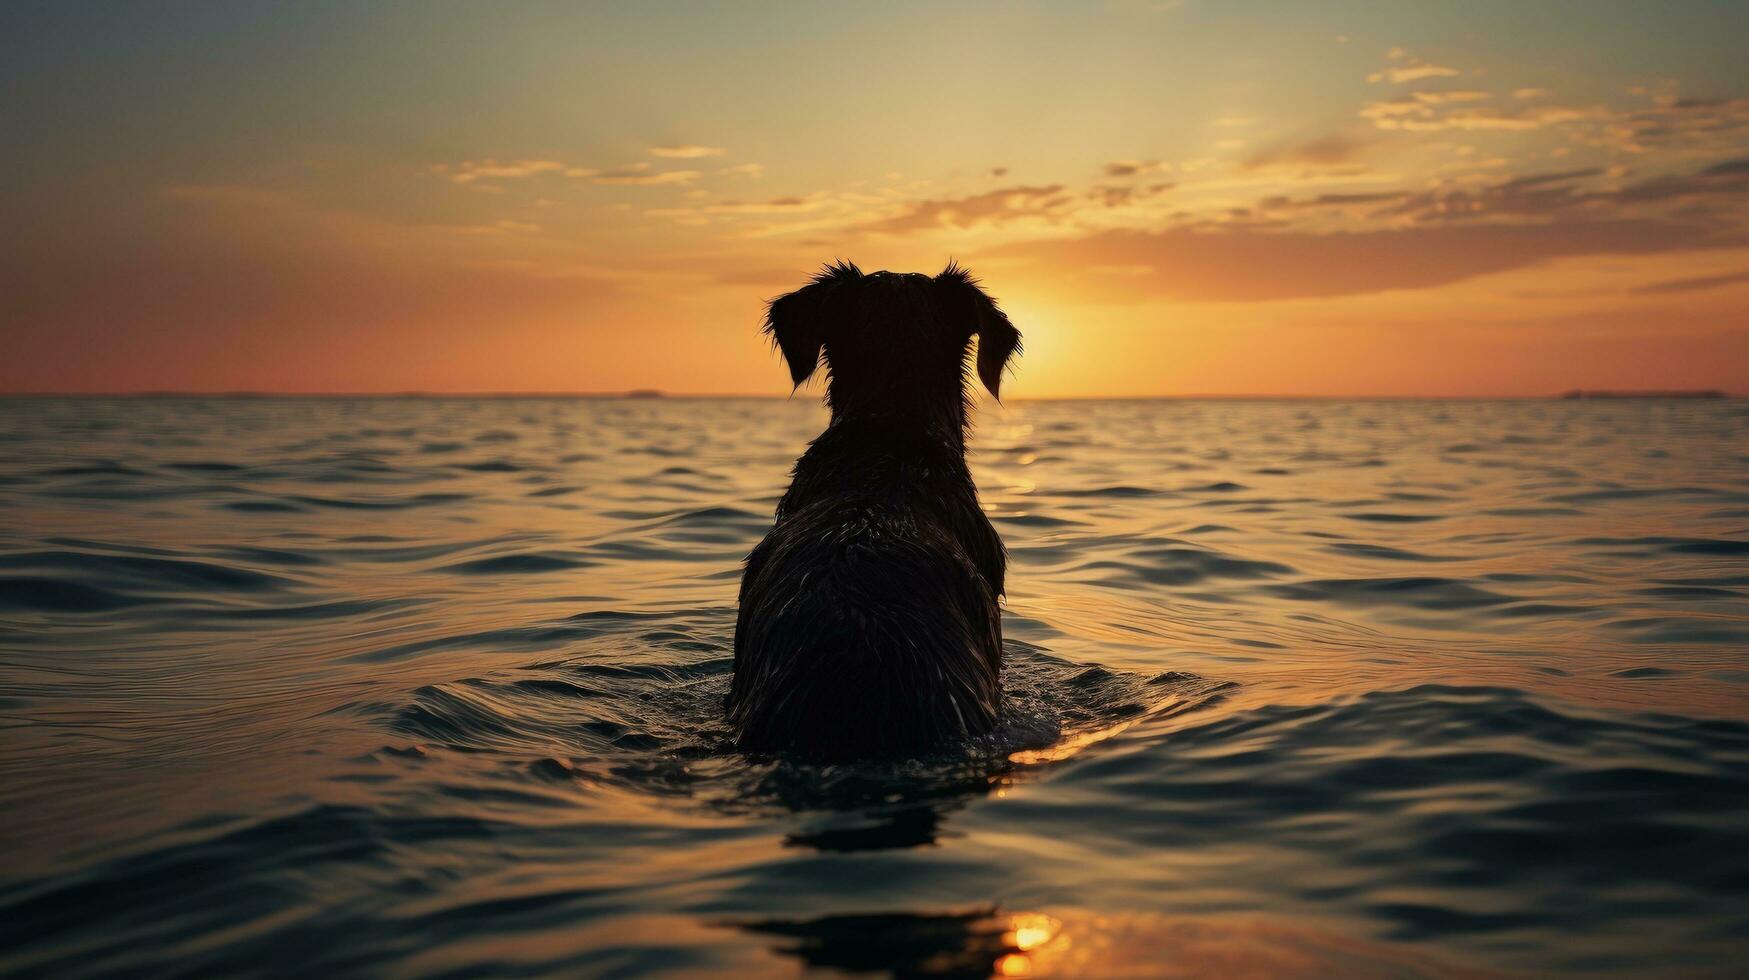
1708,393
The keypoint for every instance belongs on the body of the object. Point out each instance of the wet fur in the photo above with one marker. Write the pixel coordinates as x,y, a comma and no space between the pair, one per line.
868,618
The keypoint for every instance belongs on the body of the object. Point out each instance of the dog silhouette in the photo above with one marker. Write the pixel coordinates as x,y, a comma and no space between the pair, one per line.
868,620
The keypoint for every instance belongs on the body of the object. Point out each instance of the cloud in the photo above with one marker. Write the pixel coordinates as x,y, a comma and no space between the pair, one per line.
1284,203
640,174
1419,112
776,205
1325,151
992,207
1691,285
1119,195
1412,70
743,170
1135,168
472,171
1539,196
1547,196
1672,121
1728,177
1459,95
1249,264
1696,123
469,171
687,151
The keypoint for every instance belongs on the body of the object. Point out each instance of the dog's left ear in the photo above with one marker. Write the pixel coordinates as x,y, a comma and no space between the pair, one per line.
797,321
997,339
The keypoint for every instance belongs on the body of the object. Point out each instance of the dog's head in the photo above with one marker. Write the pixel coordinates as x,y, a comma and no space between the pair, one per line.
892,342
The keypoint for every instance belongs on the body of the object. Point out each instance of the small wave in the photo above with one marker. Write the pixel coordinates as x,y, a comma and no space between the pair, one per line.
338,609
519,564
720,516
579,719
1631,493
273,556
154,574
1035,520
1385,553
263,507
383,503
93,469
209,467
1682,630
1421,592
1723,547
1644,795
1120,490
58,595
1183,566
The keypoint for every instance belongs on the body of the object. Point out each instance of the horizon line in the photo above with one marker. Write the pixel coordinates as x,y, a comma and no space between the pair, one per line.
653,394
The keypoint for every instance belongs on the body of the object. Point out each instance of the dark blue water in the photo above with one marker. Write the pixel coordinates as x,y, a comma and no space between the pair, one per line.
432,688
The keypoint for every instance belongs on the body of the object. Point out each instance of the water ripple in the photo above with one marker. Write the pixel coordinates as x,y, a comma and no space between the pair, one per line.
433,687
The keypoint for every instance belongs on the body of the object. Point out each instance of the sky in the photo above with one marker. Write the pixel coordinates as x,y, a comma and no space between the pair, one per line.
1168,198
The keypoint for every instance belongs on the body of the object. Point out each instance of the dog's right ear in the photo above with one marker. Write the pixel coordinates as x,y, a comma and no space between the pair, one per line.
797,321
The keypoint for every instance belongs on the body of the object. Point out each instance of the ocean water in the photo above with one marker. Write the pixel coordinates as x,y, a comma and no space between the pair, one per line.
408,687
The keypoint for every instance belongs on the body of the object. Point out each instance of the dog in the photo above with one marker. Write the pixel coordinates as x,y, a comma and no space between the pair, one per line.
868,621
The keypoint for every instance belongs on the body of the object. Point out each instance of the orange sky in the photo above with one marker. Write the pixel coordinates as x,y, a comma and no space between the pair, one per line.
1168,198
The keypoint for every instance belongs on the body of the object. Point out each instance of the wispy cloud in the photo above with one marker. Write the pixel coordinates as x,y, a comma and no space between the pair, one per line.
992,207
687,151
1324,151
1261,264
640,174
1135,168
1677,122
1122,195
773,207
1418,113
1405,68
469,171
1692,285
1322,201
480,173
1694,123
1583,194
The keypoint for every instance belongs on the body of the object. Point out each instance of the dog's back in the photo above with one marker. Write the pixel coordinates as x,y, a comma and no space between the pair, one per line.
868,618
868,621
